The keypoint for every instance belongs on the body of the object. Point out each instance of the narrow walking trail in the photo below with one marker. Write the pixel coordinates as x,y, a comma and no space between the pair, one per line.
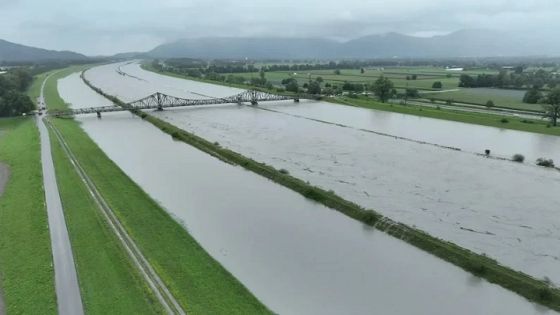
68,296
4,173
2,307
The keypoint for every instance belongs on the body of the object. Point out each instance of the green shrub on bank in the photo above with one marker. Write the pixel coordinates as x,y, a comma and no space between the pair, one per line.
518,158
545,162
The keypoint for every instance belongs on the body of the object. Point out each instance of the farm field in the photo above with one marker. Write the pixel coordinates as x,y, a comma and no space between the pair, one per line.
425,78
500,97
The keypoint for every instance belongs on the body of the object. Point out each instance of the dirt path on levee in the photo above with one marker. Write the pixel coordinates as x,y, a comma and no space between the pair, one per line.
4,174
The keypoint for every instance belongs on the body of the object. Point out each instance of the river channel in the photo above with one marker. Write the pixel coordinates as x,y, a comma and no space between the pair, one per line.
296,256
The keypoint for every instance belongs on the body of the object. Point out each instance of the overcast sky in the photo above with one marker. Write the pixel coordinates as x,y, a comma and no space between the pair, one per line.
111,26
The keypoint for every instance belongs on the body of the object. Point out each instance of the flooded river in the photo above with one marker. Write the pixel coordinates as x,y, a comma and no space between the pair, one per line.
294,255
506,210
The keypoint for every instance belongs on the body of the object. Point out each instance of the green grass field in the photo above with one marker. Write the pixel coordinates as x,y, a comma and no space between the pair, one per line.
500,97
34,91
109,282
26,272
423,82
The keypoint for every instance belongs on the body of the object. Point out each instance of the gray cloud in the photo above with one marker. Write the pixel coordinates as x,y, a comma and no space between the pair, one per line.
104,27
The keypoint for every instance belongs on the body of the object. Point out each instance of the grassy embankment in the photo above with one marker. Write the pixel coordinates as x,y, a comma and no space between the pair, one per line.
480,265
109,282
54,101
491,120
198,282
34,91
26,272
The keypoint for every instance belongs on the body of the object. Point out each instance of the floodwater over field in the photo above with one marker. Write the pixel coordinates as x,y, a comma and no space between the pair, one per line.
468,137
296,256
506,210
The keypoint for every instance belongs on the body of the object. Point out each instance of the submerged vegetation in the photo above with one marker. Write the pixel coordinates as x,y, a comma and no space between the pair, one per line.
518,158
477,264
545,162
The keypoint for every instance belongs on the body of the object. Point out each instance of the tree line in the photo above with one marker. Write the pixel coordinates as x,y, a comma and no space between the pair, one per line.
517,78
13,100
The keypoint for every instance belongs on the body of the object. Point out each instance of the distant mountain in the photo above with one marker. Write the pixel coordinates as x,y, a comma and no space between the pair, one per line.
466,43
127,55
254,48
11,52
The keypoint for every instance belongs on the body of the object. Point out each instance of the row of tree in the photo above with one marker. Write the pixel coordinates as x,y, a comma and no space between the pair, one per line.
551,104
13,100
243,65
512,79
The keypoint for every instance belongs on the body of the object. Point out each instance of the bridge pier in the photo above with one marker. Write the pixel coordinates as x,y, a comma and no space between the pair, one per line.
159,108
98,114
296,100
254,102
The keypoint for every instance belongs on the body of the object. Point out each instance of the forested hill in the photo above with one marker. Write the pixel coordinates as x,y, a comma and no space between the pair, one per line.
466,43
11,52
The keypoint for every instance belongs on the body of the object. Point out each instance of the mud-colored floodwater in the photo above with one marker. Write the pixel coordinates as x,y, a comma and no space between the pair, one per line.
506,210
296,256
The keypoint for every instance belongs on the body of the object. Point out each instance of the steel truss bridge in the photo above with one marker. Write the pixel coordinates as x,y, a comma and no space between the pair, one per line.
159,101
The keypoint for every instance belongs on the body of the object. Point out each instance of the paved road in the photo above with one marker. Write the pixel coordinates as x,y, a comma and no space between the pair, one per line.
4,173
2,307
68,296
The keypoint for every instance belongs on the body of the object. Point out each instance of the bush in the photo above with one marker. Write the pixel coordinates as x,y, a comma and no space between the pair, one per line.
476,268
437,85
284,171
369,217
545,162
314,193
518,158
504,120
490,103
545,294
175,134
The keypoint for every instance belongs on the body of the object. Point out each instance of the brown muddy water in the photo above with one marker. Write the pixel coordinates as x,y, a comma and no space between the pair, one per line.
296,256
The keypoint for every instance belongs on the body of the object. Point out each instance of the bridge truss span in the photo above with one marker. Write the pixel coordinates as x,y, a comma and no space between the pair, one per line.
159,101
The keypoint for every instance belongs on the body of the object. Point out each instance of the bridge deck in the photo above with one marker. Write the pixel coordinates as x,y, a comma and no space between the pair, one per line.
161,101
